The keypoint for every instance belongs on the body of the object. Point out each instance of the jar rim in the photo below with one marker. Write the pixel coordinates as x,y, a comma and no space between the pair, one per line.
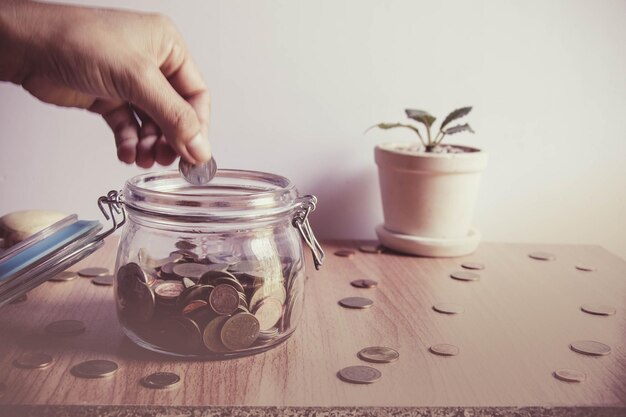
232,195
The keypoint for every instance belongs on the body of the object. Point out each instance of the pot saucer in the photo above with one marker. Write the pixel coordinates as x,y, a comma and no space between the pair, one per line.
429,246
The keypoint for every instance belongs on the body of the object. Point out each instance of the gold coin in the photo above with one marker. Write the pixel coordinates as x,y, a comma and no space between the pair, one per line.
106,280
93,272
542,256
194,305
371,248
267,290
448,308
95,369
590,347
585,268
33,360
364,283
64,276
65,328
570,375
135,298
268,311
445,349
240,331
161,380
211,336
378,354
345,253
598,309
465,276
473,265
224,299
356,302
360,374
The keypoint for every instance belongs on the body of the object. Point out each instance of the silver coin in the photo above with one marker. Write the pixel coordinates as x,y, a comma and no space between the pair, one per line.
590,347
585,268
465,276
65,328
95,369
161,380
445,349
364,283
200,174
378,354
473,265
598,309
191,270
93,272
448,308
106,280
360,374
64,276
33,360
570,375
542,256
356,302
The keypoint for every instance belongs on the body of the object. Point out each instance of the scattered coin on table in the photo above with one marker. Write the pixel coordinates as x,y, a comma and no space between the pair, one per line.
570,375
98,368
33,360
360,374
65,328
105,281
64,276
345,253
93,272
598,309
585,268
364,283
473,265
590,347
19,299
200,174
448,308
378,354
445,349
161,380
356,302
542,256
371,248
465,276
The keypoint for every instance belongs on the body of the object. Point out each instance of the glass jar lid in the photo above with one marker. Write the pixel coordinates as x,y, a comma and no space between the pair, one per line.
232,195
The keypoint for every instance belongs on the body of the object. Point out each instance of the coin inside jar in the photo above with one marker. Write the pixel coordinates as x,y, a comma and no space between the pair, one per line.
224,299
161,380
169,290
200,174
268,312
240,331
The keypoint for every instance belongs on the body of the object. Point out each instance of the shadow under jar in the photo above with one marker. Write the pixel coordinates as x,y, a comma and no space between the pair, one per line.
215,271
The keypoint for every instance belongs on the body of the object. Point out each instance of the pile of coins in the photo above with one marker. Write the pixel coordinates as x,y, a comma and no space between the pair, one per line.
216,304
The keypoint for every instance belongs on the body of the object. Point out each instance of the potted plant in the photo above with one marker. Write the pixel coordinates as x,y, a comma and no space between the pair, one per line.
428,188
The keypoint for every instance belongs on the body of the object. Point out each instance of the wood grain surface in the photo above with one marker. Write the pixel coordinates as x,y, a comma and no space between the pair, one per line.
518,323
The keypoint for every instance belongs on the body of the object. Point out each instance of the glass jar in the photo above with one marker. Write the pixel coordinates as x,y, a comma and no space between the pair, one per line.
215,271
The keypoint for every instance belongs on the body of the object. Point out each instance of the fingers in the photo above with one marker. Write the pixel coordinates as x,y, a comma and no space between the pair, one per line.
121,119
152,145
176,118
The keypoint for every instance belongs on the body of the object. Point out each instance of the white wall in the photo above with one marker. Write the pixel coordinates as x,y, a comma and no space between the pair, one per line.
295,84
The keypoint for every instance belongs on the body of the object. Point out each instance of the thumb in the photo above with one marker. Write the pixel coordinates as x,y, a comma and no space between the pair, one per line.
176,118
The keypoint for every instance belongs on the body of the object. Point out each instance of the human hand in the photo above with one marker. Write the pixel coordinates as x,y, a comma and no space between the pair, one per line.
133,69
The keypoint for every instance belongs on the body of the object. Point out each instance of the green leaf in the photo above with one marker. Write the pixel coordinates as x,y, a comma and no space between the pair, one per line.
458,128
456,114
421,116
394,125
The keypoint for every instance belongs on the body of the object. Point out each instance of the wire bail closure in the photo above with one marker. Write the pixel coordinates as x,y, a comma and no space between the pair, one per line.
301,222
113,202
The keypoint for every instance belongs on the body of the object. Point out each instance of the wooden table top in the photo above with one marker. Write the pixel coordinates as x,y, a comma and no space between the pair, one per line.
519,320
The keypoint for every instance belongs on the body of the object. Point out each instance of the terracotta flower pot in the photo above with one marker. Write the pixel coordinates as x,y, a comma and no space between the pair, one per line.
429,198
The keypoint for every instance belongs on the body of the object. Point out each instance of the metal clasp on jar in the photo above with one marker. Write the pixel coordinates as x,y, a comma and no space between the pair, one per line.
301,222
113,201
